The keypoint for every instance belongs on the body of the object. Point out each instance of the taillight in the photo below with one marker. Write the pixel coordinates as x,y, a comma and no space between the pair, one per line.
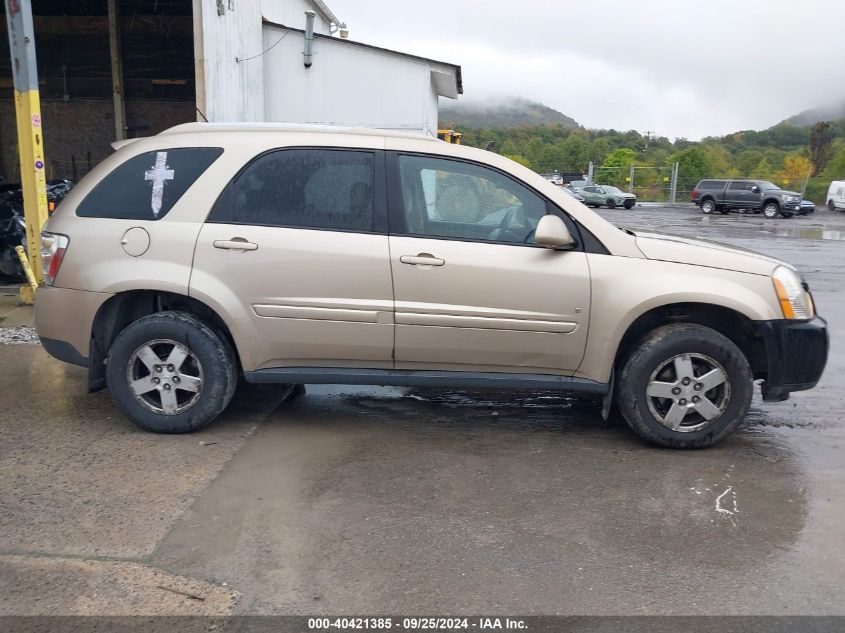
53,249
694,194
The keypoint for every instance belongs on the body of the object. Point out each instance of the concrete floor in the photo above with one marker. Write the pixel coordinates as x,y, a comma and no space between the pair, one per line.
376,500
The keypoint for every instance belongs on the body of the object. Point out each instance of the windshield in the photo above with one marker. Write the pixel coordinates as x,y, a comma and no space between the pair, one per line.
765,185
610,189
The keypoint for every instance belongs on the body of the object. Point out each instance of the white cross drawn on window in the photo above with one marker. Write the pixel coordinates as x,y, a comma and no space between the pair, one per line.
158,174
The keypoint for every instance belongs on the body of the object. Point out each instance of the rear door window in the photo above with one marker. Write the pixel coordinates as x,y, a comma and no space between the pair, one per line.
147,186
302,188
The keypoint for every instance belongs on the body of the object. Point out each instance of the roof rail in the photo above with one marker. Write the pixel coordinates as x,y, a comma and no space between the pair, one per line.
186,128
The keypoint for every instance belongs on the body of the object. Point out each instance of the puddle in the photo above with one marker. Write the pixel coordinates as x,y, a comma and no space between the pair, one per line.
810,233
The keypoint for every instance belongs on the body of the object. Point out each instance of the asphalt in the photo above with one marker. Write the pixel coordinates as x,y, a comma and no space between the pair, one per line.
377,500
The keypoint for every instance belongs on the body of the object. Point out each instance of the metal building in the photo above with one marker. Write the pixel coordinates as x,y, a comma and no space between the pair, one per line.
111,69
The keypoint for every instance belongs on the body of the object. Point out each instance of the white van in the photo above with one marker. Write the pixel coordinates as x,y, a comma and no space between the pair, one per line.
836,195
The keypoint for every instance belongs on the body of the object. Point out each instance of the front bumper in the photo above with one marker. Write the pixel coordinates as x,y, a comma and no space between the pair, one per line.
791,207
797,353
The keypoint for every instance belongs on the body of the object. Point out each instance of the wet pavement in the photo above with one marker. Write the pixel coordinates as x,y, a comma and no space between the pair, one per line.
377,500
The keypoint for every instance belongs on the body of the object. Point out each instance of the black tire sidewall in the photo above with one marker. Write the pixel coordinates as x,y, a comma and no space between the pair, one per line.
213,352
610,204
664,343
708,203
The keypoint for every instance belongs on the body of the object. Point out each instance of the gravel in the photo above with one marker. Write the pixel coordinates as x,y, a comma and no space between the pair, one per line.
17,334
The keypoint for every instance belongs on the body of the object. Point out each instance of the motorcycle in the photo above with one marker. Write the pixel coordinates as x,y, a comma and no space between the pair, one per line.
13,224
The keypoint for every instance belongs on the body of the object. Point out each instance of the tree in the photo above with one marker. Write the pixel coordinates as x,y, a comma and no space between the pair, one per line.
835,169
795,167
821,145
518,159
763,169
693,164
619,158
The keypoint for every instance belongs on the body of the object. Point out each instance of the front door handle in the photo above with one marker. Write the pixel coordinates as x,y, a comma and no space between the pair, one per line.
423,259
236,244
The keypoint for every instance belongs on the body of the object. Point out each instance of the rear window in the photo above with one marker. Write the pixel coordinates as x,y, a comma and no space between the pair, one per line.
147,186
302,188
711,184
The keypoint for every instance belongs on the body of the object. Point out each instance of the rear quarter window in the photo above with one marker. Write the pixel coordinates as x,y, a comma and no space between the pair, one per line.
711,184
146,186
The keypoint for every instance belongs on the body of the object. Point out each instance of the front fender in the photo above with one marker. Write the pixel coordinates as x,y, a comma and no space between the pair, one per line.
623,289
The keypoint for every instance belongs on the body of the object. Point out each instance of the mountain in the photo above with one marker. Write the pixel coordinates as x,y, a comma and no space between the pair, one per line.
829,112
501,113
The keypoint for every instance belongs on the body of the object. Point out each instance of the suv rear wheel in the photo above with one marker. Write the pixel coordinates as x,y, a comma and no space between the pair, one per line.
170,373
708,206
685,386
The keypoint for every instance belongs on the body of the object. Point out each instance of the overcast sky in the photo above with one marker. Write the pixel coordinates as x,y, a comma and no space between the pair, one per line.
688,68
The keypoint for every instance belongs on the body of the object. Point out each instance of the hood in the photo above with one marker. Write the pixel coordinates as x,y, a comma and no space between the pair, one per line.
682,250
783,192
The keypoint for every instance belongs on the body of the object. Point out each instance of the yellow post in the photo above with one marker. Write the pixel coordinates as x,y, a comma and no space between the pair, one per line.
30,136
27,291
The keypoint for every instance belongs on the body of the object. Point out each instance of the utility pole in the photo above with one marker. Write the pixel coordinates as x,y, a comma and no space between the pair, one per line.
30,133
590,169
116,71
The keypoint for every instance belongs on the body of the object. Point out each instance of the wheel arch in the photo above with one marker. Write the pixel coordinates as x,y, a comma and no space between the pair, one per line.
731,323
126,307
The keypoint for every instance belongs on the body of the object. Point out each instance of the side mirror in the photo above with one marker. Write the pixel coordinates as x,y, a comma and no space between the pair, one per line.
552,233
755,188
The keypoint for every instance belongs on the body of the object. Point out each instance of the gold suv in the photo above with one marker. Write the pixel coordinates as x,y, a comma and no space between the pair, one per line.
296,254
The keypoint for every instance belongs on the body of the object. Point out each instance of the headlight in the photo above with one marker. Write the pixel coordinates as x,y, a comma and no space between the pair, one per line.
795,302
790,198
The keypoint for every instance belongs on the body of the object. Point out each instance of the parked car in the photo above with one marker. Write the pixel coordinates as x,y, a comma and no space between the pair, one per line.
574,194
753,195
836,195
289,254
606,195
555,179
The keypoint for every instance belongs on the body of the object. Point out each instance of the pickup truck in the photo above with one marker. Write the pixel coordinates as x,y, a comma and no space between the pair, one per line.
754,195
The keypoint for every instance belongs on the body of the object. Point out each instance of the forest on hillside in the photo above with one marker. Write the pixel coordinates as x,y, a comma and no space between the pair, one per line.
800,158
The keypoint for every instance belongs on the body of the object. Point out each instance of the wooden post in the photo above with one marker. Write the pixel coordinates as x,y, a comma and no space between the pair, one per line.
116,72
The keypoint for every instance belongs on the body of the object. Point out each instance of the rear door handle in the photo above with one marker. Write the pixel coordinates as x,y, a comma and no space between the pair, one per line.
236,244
423,259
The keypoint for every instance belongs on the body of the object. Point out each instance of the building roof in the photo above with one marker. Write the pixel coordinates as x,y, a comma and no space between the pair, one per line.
323,9
457,89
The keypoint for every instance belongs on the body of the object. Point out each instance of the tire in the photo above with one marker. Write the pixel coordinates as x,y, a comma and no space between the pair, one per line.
708,206
653,363
610,204
207,366
771,210
629,204
831,205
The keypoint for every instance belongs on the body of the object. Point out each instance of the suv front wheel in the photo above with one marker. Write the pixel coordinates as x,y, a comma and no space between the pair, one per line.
170,373
685,386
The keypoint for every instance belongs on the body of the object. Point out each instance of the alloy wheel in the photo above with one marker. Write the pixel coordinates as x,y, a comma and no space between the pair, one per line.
688,392
165,376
